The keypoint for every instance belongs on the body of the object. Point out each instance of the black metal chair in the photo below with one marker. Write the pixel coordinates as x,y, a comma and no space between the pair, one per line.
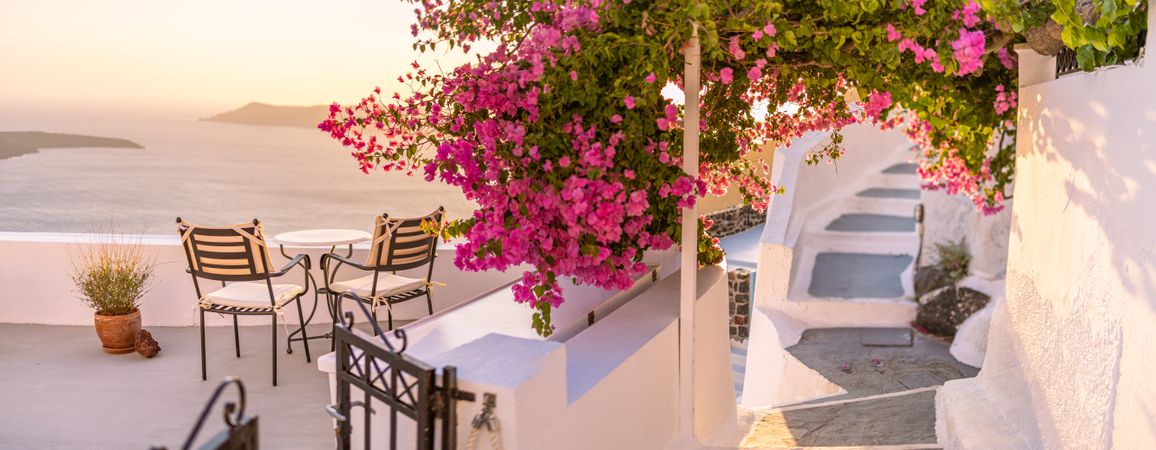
398,244
238,257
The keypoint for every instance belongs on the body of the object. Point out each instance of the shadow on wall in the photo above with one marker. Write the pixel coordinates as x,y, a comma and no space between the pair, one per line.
1082,265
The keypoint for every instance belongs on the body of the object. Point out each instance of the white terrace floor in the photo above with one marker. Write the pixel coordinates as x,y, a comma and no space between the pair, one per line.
59,390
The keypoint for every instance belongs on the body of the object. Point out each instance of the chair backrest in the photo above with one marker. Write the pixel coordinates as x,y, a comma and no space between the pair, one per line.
400,244
230,253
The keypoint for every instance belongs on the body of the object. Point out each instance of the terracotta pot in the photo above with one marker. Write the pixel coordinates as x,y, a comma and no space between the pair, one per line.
118,333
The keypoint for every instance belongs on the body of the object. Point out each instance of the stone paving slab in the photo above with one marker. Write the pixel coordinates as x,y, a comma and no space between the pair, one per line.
899,420
905,168
872,223
890,193
838,355
854,275
886,337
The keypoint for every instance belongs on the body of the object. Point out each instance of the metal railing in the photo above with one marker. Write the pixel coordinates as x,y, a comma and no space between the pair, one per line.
1066,62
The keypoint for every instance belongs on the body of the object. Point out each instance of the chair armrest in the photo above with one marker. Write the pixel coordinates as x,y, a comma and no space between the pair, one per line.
299,260
342,260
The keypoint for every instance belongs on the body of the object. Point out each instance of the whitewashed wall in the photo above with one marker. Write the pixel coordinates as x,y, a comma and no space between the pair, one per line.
952,217
613,385
37,288
1070,352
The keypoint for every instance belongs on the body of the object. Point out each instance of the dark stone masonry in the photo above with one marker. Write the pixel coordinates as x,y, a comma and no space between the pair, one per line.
739,281
727,222
734,220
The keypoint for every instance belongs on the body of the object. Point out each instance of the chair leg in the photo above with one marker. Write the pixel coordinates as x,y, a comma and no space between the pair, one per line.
373,312
390,314
429,302
204,373
304,337
274,349
236,337
332,315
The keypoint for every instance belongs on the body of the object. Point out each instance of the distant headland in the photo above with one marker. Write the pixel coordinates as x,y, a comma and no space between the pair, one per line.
16,143
272,115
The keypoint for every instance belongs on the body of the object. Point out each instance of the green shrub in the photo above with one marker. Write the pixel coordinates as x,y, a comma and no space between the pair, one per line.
954,259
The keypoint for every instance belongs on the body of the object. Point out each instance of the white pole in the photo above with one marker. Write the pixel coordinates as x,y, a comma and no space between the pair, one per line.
689,264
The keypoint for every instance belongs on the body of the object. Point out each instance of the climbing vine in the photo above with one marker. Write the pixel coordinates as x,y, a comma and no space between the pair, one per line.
564,139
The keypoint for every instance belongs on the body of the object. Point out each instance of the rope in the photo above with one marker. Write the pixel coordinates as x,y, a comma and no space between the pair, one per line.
485,419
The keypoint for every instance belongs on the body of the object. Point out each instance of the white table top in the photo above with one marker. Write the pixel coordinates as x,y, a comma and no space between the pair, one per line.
322,238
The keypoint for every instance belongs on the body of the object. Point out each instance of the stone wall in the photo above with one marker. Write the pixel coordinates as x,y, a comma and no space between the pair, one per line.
739,281
734,220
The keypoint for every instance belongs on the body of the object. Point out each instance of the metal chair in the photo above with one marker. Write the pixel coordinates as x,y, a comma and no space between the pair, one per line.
238,257
398,244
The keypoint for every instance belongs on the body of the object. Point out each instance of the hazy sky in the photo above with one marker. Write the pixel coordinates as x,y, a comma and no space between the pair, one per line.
198,57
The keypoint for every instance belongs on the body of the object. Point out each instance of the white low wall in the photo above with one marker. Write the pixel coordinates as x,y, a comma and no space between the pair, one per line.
613,385
1070,351
38,289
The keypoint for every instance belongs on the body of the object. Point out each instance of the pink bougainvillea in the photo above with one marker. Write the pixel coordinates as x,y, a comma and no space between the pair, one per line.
562,137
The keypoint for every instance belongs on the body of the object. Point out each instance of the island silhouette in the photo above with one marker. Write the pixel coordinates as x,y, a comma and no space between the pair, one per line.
264,114
17,143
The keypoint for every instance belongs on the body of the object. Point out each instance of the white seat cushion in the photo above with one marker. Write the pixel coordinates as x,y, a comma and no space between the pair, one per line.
387,284
253,295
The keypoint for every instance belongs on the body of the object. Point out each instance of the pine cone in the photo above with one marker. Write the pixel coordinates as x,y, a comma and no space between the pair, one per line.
146,345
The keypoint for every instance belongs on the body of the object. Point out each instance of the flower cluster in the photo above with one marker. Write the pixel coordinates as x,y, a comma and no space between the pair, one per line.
562,136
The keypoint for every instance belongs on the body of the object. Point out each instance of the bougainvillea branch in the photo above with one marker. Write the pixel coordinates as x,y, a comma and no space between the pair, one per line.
562,136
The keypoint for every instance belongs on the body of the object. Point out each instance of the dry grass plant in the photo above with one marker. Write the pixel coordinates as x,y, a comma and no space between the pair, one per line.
112,273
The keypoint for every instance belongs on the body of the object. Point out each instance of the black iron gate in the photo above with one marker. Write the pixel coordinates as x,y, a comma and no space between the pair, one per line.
409,389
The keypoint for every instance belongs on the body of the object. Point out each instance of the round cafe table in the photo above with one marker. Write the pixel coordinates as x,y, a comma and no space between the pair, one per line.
331,238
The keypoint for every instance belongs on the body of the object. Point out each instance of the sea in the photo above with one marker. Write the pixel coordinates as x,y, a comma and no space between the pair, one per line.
208,173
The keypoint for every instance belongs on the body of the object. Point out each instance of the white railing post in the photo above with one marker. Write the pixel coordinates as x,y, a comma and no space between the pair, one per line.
689,264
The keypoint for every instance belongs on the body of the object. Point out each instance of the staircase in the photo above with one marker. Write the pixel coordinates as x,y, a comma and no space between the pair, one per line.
853,299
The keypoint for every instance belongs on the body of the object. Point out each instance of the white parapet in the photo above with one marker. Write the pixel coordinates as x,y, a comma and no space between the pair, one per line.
37,288
612,385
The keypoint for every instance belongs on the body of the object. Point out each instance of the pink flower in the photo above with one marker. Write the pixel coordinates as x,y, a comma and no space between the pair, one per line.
969,18
876,103
968,50
736,49
615,118
918,4
758,34
726,75
755,73
769,29
564,161
1006,59
629,102
573,75
662,123
650,78
893,34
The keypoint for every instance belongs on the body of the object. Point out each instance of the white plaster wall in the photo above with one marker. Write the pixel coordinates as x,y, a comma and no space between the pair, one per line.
612,386
952,217
34,271
1070,351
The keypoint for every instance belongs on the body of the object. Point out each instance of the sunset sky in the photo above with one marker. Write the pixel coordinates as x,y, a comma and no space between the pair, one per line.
201,57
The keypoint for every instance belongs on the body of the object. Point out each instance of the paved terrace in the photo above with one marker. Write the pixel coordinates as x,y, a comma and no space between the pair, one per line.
61,391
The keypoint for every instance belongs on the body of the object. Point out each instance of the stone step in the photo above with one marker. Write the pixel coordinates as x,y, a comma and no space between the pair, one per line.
858,275
901,419
896,193
872,223
903,168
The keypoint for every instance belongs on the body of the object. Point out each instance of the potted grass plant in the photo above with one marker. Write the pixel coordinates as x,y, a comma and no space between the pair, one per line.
112,277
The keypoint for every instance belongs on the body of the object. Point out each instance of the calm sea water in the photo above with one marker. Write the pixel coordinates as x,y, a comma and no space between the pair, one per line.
207,173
